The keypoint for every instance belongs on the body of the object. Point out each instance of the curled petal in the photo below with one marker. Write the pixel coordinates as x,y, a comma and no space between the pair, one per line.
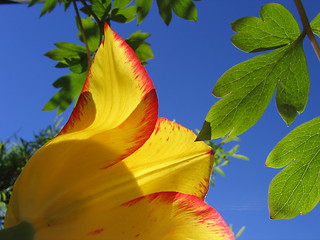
159,216
171,160
115,114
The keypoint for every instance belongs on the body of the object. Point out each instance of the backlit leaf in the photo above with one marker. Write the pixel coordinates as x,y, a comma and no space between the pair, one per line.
275,28
185,9
121,3
48,6
101,8
92,33
248,87
165,11
142,49
143,8
71,86
124,15
295,190
315,25
182,8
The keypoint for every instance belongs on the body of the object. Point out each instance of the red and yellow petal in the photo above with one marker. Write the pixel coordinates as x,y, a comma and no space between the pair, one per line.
171,160
114,87
116,113
159,216
118,105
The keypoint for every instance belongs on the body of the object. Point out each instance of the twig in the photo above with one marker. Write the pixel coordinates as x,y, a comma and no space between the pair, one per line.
307,27
101,26
82,33
90,10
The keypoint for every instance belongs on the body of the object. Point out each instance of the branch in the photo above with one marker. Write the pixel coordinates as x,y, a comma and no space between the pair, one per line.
101,26
82,33
307,27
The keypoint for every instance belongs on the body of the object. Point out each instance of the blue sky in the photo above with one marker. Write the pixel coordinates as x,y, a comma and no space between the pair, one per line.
189,58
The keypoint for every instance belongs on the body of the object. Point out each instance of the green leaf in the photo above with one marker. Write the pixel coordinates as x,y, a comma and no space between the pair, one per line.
315,25
165,10
143,8
182,8
71,86
142,49
185,9
121,3
65,51
277,27
295,190
92,32
101,8
78,65
248,87
240,157
123,15
219,170
239,233
48,6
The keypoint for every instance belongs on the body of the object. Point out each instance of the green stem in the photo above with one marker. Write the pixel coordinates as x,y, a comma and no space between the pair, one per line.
307,27
22,231
82,33
100,23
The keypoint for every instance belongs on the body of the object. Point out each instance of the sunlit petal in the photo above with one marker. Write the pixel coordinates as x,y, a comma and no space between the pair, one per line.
172,161
116,113
159,216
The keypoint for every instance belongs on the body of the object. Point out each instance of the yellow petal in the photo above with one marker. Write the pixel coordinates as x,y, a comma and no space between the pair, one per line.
116,113
159,216
114,87
171,160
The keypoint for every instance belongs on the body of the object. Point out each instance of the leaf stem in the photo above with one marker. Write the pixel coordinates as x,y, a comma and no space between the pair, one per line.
101,26
90,10
307,27
82,33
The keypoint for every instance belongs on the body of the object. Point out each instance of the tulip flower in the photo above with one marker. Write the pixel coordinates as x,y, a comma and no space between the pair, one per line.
116,171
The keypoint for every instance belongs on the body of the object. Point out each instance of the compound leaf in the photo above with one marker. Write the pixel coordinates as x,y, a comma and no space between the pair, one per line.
92,33
124,15
65,51
101,8
182,8
121,3
296,189
165,11
143,8
248,87
142,49
276,27
71,86
315,25
185,9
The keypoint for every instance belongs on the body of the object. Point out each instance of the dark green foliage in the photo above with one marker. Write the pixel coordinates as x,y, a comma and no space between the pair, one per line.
142,49
14,154
222,157
92,32
70,87
143,8
78,58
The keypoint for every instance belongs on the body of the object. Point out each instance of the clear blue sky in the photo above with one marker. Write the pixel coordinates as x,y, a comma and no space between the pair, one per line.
189,58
